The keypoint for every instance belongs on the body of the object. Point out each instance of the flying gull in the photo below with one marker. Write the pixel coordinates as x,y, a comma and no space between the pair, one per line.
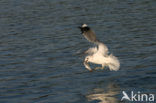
99,53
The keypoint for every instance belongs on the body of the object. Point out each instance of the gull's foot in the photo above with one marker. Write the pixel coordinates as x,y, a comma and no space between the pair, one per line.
91,70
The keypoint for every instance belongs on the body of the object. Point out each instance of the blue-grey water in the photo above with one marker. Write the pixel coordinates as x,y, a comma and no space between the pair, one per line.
41,50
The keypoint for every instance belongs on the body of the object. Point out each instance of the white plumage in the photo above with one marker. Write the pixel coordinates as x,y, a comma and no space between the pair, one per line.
98,54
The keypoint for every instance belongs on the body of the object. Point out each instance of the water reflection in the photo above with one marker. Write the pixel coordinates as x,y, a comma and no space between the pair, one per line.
104,96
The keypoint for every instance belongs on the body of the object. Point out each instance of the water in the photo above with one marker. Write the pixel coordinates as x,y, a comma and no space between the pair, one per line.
41,50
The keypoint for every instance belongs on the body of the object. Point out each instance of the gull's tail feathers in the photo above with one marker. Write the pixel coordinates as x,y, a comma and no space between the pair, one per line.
112,62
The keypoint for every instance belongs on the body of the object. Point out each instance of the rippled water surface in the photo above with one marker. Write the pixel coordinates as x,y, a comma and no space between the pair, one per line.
41,50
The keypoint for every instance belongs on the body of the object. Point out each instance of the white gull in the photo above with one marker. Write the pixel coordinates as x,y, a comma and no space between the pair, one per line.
99,53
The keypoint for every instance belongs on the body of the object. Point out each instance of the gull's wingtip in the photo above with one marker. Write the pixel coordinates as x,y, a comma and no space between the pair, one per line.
84,25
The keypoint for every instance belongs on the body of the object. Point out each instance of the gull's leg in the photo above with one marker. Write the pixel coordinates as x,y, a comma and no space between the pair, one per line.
99,67
103,66
87,65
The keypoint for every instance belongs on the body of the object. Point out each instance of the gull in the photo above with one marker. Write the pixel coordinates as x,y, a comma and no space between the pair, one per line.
98,54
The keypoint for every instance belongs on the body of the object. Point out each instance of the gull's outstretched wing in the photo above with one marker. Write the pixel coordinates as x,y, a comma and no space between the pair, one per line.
88,33
91,51
90,36
102,48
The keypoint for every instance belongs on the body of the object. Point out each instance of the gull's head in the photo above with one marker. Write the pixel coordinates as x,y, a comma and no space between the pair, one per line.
84,28
88,58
